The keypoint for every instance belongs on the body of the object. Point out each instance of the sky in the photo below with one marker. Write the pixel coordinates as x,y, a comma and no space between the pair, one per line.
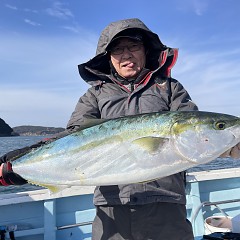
43,41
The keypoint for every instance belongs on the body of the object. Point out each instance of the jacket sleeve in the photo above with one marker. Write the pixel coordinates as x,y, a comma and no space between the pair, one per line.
14,154
180,99
86,108
7,176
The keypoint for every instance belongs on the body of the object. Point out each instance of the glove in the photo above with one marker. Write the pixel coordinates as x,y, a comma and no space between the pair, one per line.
233,152
8,177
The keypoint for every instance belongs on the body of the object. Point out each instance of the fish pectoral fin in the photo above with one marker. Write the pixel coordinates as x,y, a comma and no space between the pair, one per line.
150,144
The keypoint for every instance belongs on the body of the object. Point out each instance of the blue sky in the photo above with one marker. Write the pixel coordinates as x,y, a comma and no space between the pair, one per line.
43,41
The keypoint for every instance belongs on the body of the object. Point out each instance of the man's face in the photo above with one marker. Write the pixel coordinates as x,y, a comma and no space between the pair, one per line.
128,57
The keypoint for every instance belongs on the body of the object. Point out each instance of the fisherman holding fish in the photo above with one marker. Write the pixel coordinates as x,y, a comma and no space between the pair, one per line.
130,75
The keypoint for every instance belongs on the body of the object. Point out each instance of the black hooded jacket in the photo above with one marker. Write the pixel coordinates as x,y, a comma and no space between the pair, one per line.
110,97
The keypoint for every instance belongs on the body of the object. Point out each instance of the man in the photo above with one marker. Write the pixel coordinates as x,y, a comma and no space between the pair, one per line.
130,75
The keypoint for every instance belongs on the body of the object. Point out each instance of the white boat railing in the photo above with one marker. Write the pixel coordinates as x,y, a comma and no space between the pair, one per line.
204,204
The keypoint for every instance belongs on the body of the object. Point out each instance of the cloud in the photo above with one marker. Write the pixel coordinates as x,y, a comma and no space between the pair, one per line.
35,107
59,11
209,68
30,10
45,85
199,7
71,29
16,8
11,7
31,22
211,78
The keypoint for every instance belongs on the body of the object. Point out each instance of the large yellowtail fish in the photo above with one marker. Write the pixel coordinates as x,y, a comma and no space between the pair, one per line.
131,149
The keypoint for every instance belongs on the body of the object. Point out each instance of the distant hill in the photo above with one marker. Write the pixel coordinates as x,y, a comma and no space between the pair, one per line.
36,130
6,130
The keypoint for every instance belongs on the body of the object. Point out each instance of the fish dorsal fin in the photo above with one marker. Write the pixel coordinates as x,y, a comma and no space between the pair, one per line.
150,144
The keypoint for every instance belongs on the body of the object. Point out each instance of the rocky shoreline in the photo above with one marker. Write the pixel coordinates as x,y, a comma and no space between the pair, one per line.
7,131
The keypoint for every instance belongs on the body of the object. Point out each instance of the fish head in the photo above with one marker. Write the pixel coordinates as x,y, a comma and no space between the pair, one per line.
201,137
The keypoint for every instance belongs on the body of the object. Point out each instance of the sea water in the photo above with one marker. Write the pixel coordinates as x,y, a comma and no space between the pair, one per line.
11,143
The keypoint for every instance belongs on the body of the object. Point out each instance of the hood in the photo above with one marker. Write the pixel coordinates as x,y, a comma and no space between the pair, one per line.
99,65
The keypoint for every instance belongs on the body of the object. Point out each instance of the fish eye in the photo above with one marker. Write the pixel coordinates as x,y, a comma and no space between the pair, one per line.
220,125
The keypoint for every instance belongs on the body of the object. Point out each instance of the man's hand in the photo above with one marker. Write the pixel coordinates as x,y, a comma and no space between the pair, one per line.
233,152
8,177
